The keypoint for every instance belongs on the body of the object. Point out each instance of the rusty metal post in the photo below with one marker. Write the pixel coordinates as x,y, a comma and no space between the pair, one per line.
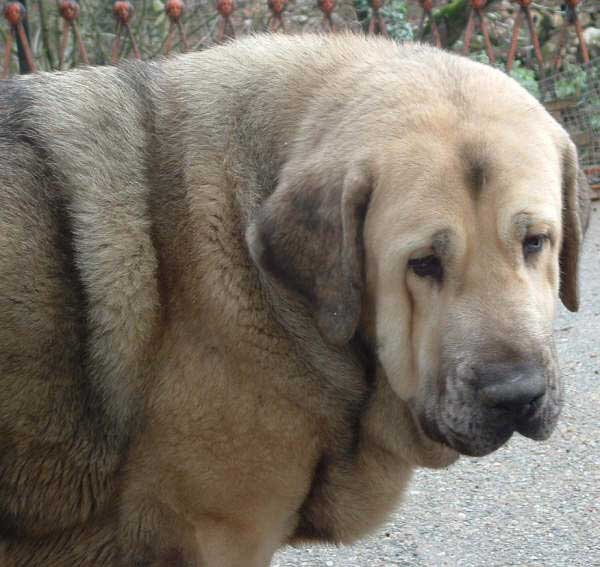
327,7
486,36
15,14
22,48
534,37
174,10
276,22
477,12
69,11
514,41
469,32
427,15
123,12
582,45
524,11
571,17
225,28
377,23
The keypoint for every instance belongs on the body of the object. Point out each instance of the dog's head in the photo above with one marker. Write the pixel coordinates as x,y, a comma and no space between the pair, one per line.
447,245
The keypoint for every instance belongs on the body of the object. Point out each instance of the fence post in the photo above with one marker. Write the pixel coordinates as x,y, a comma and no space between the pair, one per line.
26,64
16,15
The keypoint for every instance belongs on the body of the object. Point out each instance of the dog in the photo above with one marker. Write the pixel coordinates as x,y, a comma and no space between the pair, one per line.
246,292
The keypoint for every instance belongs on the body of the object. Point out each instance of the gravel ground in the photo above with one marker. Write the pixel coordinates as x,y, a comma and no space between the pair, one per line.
528,504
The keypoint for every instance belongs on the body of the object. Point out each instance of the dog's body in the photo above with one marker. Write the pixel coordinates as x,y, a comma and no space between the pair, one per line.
196,360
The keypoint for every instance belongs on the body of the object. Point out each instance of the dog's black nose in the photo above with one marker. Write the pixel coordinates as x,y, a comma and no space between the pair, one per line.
513,388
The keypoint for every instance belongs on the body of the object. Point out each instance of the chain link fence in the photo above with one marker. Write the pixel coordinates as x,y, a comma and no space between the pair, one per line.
573,97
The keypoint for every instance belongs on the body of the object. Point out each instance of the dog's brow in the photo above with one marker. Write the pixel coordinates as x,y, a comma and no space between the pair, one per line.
524,220
476,167
441,242
476,175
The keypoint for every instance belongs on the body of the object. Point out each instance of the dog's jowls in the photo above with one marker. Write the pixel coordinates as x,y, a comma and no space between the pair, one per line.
245,292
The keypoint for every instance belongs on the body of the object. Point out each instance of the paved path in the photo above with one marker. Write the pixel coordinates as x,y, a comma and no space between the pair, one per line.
529,504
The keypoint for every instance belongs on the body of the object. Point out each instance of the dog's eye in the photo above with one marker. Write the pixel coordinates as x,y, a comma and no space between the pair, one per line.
427,267
534,244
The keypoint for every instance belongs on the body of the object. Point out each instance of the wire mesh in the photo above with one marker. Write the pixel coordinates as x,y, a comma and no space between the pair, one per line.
573,98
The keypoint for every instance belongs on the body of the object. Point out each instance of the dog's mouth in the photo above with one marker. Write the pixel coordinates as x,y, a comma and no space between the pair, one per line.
540,424
483,432
529,420
477,417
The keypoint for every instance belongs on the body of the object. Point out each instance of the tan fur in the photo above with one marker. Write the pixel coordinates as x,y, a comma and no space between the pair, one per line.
262,366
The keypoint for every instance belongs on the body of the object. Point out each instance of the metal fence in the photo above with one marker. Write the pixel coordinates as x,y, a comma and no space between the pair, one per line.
102,32
573,97
105,29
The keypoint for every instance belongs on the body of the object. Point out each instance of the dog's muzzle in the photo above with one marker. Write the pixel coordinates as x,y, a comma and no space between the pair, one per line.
480,407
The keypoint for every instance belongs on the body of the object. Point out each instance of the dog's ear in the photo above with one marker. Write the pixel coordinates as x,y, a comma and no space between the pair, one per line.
575,215
308,236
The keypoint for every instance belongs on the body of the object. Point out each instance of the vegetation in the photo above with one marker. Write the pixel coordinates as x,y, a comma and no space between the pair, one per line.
395,15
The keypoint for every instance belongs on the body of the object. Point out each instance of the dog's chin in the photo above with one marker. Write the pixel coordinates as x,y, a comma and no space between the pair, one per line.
538,428
479,446
487,440
429,452
471,445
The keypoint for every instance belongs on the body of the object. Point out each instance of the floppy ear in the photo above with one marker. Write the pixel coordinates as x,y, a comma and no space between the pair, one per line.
574,216
308,236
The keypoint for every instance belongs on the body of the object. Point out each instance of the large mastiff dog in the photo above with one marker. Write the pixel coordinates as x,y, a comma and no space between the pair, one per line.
245,292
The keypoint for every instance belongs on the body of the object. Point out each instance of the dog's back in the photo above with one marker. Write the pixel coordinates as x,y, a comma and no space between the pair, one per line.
124,198
57,449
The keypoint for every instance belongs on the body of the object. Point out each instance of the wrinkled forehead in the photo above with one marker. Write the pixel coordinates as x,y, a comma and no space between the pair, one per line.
489,176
